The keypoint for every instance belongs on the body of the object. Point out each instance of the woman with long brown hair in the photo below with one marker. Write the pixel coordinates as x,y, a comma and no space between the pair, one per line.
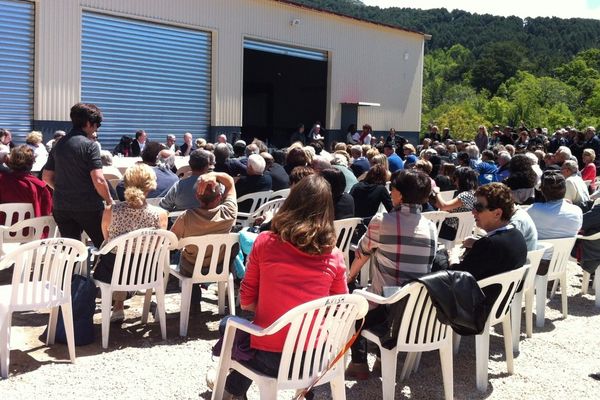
294,263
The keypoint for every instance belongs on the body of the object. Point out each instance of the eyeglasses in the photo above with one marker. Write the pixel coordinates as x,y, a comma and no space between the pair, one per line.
480,207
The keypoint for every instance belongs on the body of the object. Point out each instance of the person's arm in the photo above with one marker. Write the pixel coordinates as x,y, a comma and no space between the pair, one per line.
250,283
168,202
366,245
48,177
178,227
447,206
477,259
101,185
212,178
387,200
106,219
163,220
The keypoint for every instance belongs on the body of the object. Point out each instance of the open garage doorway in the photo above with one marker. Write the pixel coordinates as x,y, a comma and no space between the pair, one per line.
282,87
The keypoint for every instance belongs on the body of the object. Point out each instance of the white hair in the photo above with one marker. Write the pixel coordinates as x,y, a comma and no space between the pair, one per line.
534,159
571,165
320,163
339,159
256,163
472,151
505,156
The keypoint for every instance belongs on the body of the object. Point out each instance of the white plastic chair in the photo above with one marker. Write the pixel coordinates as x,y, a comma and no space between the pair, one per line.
184,172
585,283
447,195
154,201
557,270
499,313
257,199
280,194
41,280
437,217
318,331
271,206
141,259
25,231
527,293
344,229
420,331
15,212
466,224
221,246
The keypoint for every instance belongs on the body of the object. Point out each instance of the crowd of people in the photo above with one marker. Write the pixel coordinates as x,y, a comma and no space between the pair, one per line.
294,258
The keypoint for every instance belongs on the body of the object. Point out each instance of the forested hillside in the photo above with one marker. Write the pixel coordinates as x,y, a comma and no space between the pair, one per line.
484,69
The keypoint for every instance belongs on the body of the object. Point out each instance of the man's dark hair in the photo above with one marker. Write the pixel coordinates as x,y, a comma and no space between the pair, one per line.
82,113
201,159
388,146
498,195
2,133
221,152
239,148
466,179
336,180
488,154
279,156
150,152
414,185
139,133
554,185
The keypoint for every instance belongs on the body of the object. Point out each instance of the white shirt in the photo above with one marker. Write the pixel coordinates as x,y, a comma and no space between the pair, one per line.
577,191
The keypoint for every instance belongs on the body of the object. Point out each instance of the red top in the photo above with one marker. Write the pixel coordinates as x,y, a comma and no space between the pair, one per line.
280,277
22,187
588,173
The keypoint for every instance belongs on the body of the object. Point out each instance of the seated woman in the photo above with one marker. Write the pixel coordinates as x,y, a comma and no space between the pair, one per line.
444,180
522,179
296,262
19,186
34,141
465,179
371,192
132,214
343,203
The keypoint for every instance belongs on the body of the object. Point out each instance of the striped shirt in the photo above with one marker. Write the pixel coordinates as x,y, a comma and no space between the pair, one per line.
403,245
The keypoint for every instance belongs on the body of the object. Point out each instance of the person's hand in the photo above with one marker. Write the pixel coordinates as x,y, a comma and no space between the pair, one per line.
206,181
468,242
350,279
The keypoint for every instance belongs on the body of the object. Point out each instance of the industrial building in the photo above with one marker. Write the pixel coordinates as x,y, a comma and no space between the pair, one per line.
258,67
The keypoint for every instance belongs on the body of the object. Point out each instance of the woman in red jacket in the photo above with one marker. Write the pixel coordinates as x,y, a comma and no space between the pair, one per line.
294,263
20,186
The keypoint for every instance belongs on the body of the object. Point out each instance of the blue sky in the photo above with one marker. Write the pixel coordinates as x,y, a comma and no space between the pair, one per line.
521,8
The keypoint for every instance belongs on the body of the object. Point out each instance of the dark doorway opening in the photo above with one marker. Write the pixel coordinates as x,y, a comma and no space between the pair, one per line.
279,93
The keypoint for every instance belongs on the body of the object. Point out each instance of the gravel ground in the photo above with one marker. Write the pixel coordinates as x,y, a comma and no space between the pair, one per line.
554,364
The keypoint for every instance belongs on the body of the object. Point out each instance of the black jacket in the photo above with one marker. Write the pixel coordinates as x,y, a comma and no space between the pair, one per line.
458,300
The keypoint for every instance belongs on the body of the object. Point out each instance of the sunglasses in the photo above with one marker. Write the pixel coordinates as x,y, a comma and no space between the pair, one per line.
479,207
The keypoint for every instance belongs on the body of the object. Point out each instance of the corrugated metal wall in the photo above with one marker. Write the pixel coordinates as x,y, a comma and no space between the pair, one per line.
367,62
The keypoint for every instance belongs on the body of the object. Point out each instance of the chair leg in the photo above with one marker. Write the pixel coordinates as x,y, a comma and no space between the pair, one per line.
231,294
52,321
529,313
106,308
541,285
146,309
184,313
223,364
338,384
67,313
407,367
554,288
160,308
515,319
482,354
417,362
508,346
455,342
5,345
563,293
268,389
389,363
447,368
585,282
597,286
221,297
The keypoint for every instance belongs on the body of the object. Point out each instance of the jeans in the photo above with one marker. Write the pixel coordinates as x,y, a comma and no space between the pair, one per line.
72,223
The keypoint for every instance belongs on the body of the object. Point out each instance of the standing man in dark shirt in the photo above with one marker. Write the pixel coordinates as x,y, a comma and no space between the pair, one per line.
74,171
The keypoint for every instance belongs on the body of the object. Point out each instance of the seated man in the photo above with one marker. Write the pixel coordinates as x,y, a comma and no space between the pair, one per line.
360,164
503,248
402,243
254,181
223,162
182,196
577,191
216,214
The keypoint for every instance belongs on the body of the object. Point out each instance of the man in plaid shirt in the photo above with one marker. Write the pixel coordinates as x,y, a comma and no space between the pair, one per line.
402,247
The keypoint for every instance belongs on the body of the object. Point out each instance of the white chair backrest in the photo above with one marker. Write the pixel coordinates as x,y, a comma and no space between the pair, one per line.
437,217
561,250
257,199
466,223
280,194
42,272
28,230
318,331
344,229
509,283
154,201
270,206
114,182
218,270
419,325
447,195
533,259
140,257
11,213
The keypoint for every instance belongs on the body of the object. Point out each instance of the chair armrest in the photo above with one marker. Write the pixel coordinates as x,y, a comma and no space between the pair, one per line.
595,236
244,215
375,298
246,326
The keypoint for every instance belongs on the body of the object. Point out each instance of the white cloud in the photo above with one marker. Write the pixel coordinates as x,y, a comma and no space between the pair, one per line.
520,8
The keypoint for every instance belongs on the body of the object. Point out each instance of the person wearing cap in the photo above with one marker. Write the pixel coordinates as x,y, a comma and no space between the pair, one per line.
182,195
